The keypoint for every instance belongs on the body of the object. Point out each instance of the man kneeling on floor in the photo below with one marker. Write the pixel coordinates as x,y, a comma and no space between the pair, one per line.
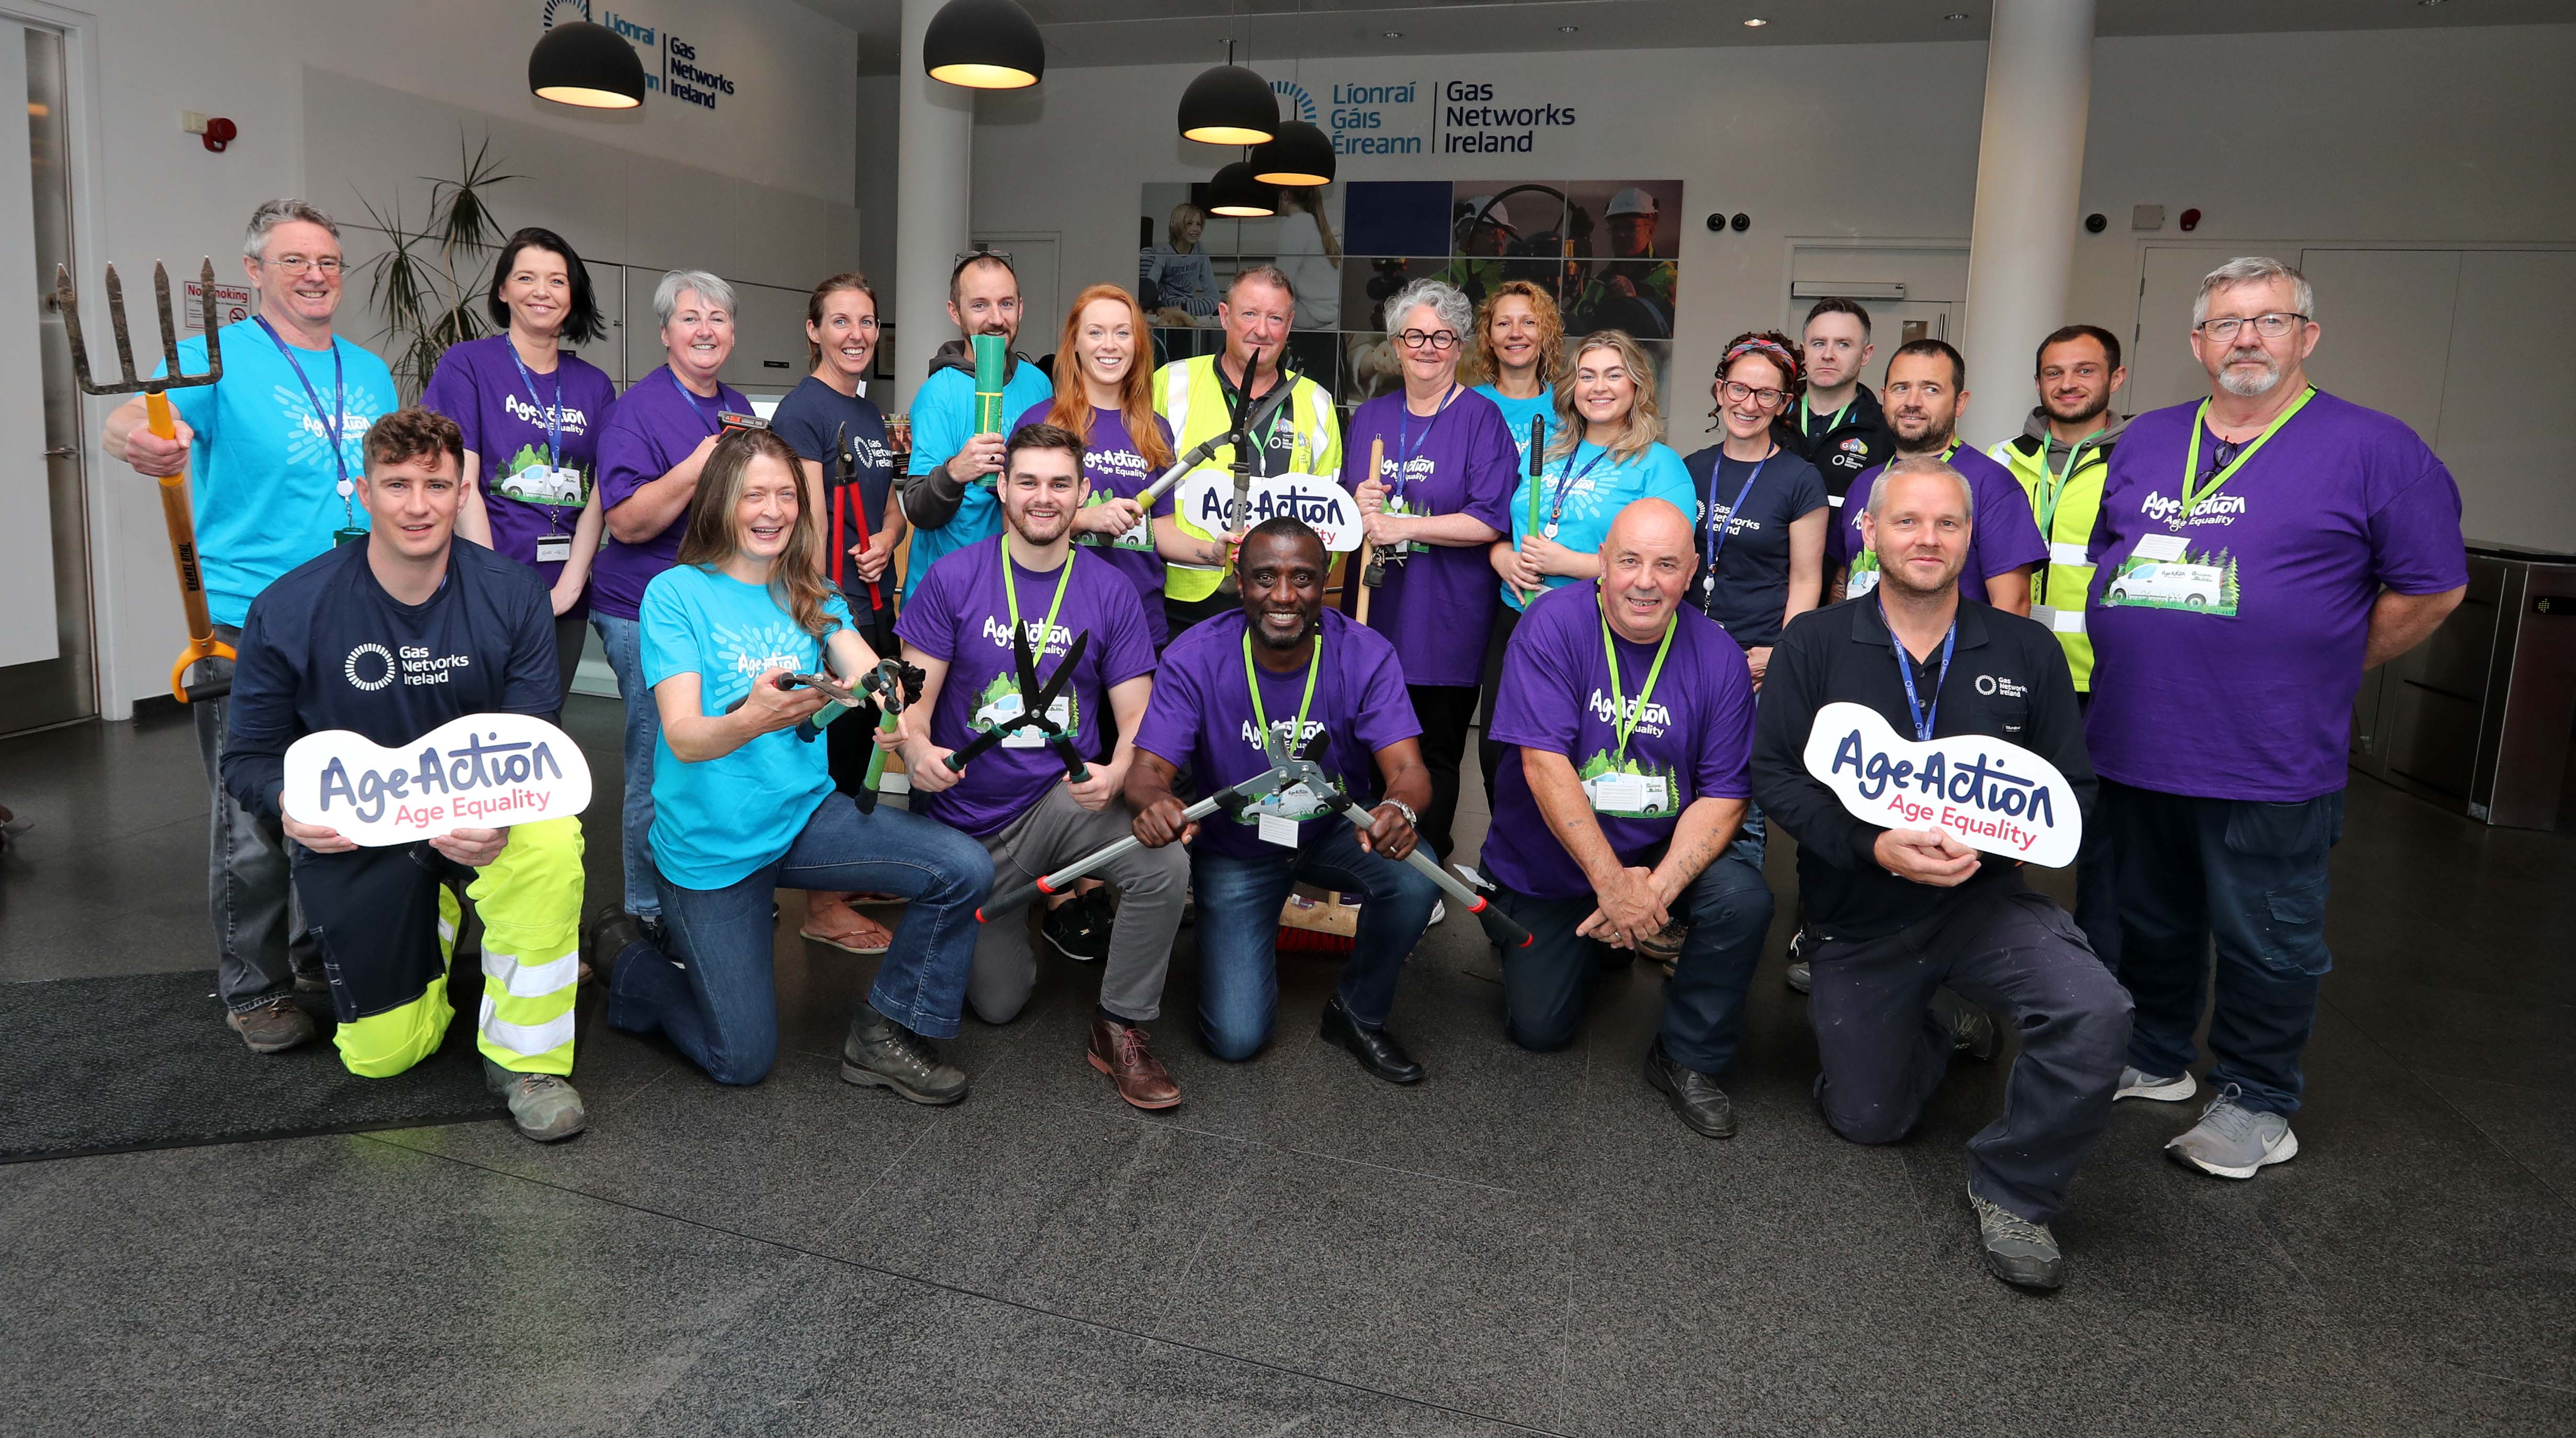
475,635
1031,585
1234,695
1897,913
1620,806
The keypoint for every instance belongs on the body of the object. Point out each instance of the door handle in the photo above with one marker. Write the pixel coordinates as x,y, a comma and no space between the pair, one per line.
62,451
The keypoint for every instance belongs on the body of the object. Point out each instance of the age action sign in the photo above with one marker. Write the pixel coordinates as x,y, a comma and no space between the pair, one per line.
1990,795
1206,498
484,771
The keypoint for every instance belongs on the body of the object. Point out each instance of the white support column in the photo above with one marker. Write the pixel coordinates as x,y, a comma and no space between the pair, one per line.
934,183
2030,167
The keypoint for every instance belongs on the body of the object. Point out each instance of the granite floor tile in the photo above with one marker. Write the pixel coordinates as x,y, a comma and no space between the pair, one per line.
2535,1127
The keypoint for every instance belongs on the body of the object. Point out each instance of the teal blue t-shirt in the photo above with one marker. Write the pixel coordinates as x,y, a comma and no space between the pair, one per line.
718,820
1586,490
943,419
266,492
1517,414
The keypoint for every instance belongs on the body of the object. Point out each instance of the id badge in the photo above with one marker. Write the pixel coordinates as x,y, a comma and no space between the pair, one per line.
351,535
1276,830
554,548
1630,795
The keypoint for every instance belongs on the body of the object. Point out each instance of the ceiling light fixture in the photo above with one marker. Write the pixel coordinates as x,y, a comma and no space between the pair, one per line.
1390,34
983,45
1229,105
1299,155
1956,15
1567,29
1238,195
579,63
1755,24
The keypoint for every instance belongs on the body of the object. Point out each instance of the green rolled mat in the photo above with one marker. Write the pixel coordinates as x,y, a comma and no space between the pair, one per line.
992,355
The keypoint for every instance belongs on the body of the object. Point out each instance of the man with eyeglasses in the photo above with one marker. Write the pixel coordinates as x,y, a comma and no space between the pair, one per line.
949,496
273,451
2256,551
1837,425
1303,437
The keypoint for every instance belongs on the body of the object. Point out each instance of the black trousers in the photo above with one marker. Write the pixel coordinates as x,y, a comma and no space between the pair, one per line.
1446,712
2097,878
1489,755
1884,1050
846,739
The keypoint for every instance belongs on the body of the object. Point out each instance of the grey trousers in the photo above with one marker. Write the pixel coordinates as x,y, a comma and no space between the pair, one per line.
1151,883
261,940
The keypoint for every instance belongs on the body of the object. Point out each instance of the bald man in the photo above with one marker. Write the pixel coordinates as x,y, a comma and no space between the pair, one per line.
1627,718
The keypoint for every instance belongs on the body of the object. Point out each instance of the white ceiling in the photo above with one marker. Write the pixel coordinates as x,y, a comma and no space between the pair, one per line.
1127,32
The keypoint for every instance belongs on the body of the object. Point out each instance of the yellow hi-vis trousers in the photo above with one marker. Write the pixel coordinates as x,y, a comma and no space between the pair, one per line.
387,920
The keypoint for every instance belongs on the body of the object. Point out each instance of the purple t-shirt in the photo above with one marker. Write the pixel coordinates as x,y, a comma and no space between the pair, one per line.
958,614
653,426
1201,720
479,386
1693,740
2227,671
1438,601
1116,469
2002,535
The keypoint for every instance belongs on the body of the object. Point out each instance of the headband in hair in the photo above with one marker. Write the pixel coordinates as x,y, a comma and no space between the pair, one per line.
1760,346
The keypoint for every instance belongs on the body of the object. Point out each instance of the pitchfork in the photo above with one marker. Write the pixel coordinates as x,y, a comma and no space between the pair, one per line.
175,510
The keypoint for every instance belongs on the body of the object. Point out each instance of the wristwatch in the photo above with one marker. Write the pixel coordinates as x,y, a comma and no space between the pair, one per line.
1405,809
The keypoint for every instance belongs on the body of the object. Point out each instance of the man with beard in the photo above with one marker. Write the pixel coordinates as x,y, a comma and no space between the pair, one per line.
2059,460
949,496
960,627
1234,694
1927,391
1897,912
1303,437
1838,426
2257,550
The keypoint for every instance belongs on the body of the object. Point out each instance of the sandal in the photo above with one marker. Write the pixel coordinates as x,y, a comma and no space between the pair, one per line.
864,936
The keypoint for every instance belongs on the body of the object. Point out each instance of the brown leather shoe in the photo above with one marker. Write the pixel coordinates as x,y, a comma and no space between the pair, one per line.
1119,1051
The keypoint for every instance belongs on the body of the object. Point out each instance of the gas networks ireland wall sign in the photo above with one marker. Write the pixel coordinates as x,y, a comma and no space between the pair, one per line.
1425,115
672,66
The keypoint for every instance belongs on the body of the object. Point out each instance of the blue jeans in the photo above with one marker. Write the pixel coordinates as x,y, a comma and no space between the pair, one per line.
624,640
719,1005
2249,877
1238,921
1548,985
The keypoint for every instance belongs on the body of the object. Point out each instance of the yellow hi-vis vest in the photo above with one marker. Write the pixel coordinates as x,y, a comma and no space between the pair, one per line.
1192,402
2063,583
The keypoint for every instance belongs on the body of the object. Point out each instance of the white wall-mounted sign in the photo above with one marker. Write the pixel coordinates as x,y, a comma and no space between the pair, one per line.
232,305
1206,499
483,771
1986,793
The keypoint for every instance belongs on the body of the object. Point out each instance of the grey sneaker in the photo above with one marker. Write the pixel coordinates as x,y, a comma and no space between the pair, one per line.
2018,1251
2233,1141
1801,977
880,1053
2138,1083
543,1106
273,1026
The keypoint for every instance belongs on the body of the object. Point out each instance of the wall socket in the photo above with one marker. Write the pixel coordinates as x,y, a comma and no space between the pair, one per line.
191,123
2147,217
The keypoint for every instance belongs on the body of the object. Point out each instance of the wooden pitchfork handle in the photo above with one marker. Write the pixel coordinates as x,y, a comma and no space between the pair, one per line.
180,517
1367,554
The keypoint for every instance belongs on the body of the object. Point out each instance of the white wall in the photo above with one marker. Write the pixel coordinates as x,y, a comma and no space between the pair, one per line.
2439,138
159,194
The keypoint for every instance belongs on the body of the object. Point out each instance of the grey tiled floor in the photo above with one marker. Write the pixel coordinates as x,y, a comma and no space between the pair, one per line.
1525,1242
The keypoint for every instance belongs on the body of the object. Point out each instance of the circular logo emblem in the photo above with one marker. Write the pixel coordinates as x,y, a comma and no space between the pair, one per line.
370,667
1986,684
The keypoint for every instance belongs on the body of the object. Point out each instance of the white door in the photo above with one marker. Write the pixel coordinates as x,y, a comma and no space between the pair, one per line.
26,508
1911,292
2386,320
1042,299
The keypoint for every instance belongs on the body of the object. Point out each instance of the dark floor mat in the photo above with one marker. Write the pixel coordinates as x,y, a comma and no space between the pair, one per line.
145,1061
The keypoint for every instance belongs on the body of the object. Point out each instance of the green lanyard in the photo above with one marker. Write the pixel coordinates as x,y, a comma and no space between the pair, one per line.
1623,721
1011,591
2192,498
1261,716
2053,487
1808,416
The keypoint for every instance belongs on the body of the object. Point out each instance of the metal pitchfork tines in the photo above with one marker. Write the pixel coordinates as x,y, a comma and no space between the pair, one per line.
175,511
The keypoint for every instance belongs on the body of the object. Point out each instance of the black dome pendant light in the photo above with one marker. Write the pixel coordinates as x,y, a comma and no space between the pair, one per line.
983,45
1237,194
1299,155
1229,105
579,63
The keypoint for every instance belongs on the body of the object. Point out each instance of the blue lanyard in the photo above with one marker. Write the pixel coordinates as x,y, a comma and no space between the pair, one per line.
1412,448
1715,543
714,426
330,421
553,413
1924,718
1565,479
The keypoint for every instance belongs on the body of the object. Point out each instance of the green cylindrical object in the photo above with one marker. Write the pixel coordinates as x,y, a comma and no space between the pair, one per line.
992,357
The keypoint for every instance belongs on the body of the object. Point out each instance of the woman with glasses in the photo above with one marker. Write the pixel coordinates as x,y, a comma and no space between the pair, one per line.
1605,453
1438,500
836,431
531,414
1517,357
1763,510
